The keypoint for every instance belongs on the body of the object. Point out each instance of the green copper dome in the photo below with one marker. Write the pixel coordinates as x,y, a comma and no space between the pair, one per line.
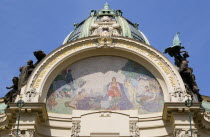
106,22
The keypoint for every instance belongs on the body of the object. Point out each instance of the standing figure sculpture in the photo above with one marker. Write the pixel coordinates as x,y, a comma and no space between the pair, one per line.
180,58
25,72
12,94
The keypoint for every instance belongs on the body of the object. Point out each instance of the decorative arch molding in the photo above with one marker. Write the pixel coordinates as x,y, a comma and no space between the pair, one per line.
166,74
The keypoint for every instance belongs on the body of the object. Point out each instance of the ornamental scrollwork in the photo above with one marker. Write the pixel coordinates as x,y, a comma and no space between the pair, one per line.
179,95
134,130
75,128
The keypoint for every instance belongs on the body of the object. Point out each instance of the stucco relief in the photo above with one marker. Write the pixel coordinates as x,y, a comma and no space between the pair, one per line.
105,83
179,96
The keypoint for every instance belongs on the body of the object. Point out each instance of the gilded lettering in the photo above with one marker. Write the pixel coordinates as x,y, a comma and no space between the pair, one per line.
172,81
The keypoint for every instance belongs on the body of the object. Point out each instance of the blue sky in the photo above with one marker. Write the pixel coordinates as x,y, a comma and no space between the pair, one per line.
29,25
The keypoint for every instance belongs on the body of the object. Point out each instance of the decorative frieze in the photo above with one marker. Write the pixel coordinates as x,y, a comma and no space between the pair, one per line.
179,95
185,133
23,133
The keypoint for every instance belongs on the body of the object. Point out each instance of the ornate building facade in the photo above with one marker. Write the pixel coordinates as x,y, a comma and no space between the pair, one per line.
106,81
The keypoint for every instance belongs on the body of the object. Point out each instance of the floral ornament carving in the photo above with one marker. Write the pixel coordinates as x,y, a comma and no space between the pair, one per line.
105,42
75,128
134,130
185,133
105,27
179,95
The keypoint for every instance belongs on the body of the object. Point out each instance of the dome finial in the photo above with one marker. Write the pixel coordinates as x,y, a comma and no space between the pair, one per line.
106,6
176,40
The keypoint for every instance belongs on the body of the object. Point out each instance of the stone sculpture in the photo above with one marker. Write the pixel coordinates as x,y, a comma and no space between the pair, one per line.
25,72
12,94
186,72
106,27
39,56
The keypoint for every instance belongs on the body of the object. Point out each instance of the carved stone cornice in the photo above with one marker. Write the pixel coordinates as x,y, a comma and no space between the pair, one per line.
177,113
29,108
179,107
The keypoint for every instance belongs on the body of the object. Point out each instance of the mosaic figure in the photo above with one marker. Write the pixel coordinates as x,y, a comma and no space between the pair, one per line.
105,83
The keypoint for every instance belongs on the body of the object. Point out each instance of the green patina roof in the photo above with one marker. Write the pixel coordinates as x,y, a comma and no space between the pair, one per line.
2,107
106,11
106,6
176,40
206,105
129,29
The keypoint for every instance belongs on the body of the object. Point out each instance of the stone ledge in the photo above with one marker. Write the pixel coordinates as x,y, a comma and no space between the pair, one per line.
178,107
29,108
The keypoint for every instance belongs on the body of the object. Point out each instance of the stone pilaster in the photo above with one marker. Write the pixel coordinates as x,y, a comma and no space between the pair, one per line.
31,114
75,128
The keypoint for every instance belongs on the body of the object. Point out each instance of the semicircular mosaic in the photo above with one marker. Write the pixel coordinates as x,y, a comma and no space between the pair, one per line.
105,83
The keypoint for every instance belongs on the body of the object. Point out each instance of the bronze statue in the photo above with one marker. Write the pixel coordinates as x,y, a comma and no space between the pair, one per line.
12,94
25,72
180,58
39,56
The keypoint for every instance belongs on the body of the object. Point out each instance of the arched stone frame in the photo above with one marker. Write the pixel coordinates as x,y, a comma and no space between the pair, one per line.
41,78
